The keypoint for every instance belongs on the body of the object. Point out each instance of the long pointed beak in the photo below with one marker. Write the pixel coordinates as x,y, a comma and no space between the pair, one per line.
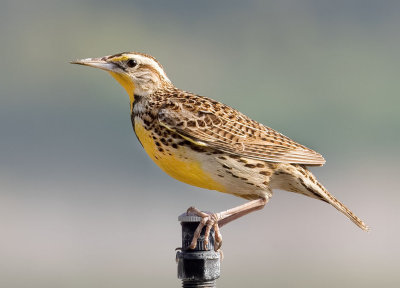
100,63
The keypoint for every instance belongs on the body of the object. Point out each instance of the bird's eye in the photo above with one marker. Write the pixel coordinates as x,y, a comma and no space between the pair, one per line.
131,63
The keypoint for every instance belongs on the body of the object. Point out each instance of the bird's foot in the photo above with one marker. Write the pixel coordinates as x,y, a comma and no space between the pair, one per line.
209,221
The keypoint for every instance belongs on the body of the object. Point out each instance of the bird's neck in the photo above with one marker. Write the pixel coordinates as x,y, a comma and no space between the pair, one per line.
137,90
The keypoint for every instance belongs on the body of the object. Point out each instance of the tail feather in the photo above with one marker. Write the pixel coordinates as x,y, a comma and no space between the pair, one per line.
312,183
346,211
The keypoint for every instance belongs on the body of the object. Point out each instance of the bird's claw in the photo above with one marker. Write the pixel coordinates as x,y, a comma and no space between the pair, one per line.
210,221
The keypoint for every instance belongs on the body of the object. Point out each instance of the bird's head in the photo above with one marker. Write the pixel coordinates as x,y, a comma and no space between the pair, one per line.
140,74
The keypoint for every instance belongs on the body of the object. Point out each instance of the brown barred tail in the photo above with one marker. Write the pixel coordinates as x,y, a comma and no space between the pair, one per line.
312,185
346,211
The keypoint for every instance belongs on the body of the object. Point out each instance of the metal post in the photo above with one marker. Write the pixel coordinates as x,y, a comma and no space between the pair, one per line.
199,267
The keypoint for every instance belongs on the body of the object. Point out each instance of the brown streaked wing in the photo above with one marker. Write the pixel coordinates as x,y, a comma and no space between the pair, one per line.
209,123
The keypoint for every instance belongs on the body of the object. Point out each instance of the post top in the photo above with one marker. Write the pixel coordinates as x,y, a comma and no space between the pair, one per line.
190,217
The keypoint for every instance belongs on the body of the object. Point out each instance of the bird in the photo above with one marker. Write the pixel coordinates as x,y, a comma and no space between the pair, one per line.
205,143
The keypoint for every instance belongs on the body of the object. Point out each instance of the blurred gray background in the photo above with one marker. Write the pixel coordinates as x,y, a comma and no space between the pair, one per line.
81,205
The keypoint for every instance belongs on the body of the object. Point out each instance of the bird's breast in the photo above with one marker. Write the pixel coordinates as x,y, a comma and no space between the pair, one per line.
175,156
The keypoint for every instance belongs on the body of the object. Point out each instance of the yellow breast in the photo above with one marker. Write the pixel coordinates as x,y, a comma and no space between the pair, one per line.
181,163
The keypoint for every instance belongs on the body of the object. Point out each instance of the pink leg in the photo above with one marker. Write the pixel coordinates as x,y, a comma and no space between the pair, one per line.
222,218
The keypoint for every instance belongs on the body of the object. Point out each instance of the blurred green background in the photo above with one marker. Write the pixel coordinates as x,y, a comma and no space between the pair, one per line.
81,205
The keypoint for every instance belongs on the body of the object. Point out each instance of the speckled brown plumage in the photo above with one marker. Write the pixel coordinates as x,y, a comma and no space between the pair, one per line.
219,126
259,153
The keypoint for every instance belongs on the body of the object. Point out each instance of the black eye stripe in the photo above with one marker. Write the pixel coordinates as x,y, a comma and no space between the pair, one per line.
131,63
119,65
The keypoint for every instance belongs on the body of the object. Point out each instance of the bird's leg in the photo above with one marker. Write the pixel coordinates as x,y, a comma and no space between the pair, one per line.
216,220
239,211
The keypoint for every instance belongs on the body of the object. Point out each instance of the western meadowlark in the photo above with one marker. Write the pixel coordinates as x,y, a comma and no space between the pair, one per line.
208,144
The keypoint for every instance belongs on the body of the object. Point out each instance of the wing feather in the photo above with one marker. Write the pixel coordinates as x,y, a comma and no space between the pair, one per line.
209,123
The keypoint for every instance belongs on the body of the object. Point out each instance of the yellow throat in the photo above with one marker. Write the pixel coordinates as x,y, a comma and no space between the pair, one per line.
127,83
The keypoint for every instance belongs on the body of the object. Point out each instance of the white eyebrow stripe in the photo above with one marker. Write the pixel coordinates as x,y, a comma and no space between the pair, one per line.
148,61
